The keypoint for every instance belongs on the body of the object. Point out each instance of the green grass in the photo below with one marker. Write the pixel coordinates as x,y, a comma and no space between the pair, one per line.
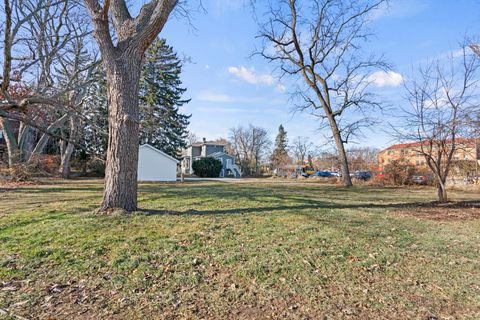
251,250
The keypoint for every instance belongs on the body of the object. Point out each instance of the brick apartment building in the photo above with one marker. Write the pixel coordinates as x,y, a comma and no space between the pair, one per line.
467,149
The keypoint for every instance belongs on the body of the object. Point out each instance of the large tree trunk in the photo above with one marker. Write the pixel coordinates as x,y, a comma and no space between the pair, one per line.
122,154
42,142
12,146
342,155
64,169
67,149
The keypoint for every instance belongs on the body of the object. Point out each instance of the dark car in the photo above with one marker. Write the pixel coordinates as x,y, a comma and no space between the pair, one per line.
362,175
420,179
323,174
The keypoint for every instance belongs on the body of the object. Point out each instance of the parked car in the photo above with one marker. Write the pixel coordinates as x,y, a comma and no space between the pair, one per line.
420,179
323,174
335,174
362,175
472,179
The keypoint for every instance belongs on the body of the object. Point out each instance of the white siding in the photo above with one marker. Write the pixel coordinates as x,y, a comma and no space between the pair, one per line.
155,166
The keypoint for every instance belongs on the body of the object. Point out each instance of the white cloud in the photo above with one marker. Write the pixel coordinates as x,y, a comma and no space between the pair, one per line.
207,66
214,97
208,96
400,9
251,76
225,110
281,88
386,79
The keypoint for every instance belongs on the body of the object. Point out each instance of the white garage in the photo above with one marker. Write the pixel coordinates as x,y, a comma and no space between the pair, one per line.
155,165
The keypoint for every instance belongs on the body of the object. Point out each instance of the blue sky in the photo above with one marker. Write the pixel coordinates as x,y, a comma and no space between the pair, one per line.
229,88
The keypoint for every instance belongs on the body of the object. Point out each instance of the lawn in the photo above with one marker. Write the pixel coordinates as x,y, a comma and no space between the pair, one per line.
252,250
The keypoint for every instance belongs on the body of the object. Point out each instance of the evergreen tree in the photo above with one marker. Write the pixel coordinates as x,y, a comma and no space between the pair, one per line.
95,130
161,123
280,153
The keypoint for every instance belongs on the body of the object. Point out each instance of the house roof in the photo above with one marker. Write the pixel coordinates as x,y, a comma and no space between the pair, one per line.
159,151
218,154
425,142
202,143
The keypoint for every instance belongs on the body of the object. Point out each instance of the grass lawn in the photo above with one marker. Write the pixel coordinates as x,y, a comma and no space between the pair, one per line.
253,250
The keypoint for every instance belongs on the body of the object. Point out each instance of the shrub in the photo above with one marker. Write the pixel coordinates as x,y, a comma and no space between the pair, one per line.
96,167
399,172
22,172
207,167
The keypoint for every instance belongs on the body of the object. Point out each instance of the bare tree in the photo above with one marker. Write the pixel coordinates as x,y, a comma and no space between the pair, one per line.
36,36
441,100
250,146
301,148
122,55
363,158
192,138
319,41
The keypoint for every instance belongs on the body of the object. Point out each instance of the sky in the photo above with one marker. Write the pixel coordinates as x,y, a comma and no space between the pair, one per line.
228,87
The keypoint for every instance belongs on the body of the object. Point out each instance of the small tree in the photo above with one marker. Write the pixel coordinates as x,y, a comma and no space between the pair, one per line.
441,102
249,145
302,148
207,167
280,153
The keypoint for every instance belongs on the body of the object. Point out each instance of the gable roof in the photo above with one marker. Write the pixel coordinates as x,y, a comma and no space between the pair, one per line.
159,151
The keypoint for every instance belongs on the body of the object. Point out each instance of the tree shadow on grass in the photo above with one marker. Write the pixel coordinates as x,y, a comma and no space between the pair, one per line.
279,208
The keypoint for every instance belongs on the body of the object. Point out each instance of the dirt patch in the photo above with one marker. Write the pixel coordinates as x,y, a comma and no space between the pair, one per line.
452,211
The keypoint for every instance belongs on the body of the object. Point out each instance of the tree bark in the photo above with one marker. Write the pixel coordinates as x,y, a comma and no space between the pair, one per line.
12,146
123,61
442,191
65,161
67,149
342,155
123,76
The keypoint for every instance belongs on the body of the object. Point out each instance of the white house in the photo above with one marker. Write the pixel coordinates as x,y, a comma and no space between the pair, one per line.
155,165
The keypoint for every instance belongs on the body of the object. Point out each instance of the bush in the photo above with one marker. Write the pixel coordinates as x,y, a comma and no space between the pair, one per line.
399,172
22,172
207,167
96,167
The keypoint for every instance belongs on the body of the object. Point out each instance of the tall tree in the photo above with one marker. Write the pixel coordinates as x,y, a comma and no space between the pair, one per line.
37,36
319,43
161,123
280,153
122,54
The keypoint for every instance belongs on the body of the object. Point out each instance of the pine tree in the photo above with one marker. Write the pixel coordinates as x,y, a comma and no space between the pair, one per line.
280,153
162,125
